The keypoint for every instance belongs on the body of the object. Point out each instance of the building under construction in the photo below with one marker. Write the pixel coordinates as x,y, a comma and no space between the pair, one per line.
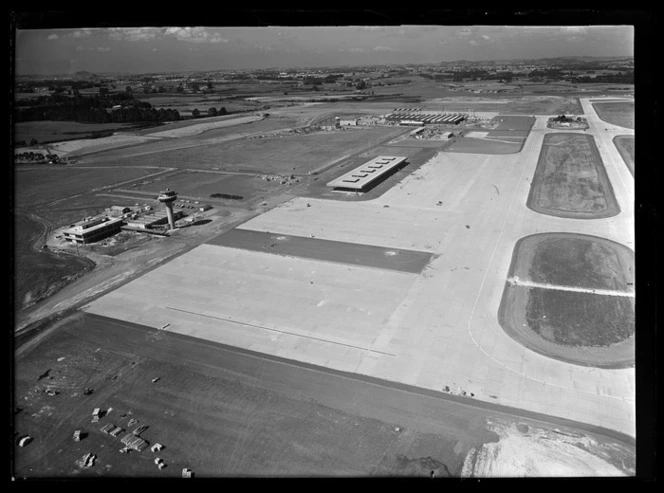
157,218
92,229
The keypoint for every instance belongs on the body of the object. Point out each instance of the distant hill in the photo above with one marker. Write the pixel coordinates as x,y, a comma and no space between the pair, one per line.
84,75
563,60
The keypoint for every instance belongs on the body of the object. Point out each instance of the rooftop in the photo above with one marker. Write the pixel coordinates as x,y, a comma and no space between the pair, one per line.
363,175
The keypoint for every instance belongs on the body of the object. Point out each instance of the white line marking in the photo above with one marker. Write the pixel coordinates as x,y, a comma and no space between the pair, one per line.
515,281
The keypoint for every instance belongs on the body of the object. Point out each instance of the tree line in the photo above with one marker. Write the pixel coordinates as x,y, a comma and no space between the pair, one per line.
91,109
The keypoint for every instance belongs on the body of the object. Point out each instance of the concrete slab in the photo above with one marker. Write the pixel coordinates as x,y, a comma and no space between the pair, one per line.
255,300
325,250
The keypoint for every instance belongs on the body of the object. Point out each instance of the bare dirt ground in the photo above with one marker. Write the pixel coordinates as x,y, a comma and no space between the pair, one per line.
531,451
619,113
226,413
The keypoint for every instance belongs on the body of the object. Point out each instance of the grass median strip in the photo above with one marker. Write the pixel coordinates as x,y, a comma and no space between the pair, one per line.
570,179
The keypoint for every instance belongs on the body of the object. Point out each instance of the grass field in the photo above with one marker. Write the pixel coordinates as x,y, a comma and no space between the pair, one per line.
579,319
156,153
571,260
593,329
619,113
49,131
41,187
239,97
513,124
277,155
625,145
188,123
36,187
203,185
37,273
507,104
570,179
472,145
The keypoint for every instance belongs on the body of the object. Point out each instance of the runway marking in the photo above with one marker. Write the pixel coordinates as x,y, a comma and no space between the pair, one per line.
276,330
515,281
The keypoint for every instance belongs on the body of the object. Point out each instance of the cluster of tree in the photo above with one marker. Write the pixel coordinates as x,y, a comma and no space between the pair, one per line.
435,76
92,109
36,157
58,86
19,143
314,81
626,78
563,118
195,87
471,74
551,73
128,114
210,112
156,89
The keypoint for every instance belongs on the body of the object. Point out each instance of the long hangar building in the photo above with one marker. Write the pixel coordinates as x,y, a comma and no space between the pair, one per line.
367,175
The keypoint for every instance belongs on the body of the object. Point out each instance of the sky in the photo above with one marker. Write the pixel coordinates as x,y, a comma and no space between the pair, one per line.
174,49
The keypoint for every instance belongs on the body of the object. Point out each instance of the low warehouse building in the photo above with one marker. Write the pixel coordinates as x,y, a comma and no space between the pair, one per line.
363,177
411,122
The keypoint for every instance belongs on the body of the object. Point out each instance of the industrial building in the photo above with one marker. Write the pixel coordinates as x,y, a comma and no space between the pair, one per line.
345,122
414,117
92,229
369,174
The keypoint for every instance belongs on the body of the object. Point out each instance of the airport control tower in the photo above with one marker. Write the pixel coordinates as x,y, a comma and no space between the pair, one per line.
167,197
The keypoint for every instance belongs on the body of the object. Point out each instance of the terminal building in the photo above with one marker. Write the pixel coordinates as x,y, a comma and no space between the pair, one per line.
368,175
148,221
92,229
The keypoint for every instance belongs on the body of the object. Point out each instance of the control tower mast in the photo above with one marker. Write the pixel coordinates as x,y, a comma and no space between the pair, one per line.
167,197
